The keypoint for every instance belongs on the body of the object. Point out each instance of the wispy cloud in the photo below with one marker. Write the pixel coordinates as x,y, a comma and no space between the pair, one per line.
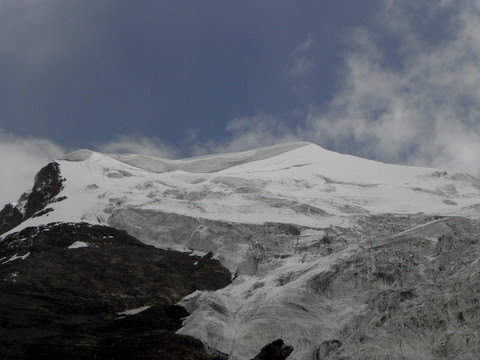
414,102
299,63
138,145
300,67
247,133
425,109
418,103
21,158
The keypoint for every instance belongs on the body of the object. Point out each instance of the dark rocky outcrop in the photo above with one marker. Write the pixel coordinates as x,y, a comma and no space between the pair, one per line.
276,350
10,216
328,348
64,287
48,184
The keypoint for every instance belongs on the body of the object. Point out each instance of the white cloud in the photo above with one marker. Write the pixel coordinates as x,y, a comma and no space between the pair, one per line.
300,67
248,133
419,105
20,159
425,110
138,145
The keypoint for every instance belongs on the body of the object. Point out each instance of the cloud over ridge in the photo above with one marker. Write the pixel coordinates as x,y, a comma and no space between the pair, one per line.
408,92
137,144
21,159
424,110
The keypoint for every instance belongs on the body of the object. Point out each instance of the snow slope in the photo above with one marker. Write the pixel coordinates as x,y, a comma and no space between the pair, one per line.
270,216
299,183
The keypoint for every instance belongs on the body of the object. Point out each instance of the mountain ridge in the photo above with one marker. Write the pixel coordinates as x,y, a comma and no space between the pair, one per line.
193,164
287,183
322,246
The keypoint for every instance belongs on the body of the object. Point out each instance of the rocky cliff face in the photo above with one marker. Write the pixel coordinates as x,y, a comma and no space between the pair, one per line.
10,216
92,292
47,185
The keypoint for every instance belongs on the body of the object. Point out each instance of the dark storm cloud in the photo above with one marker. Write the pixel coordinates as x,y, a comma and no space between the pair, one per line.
81,72
45,49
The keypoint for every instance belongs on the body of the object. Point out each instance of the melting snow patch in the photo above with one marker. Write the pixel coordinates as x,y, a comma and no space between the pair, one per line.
132,311
15,257
195,252
78,244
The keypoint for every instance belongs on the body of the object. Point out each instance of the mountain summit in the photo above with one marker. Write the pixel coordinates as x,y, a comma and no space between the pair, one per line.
337,256
298,183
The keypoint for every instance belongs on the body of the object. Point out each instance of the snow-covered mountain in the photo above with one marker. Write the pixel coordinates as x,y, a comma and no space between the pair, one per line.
296,183
341,257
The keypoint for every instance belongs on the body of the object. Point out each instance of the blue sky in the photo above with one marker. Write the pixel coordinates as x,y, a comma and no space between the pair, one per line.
391,80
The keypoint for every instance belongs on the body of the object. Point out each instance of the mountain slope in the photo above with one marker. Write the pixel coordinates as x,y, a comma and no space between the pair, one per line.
297,183
79,291
332,253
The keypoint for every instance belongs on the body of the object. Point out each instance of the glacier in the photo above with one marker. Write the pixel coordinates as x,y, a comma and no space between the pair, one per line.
338,256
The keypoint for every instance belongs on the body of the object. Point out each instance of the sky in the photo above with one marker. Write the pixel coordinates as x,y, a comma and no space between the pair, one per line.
391,80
